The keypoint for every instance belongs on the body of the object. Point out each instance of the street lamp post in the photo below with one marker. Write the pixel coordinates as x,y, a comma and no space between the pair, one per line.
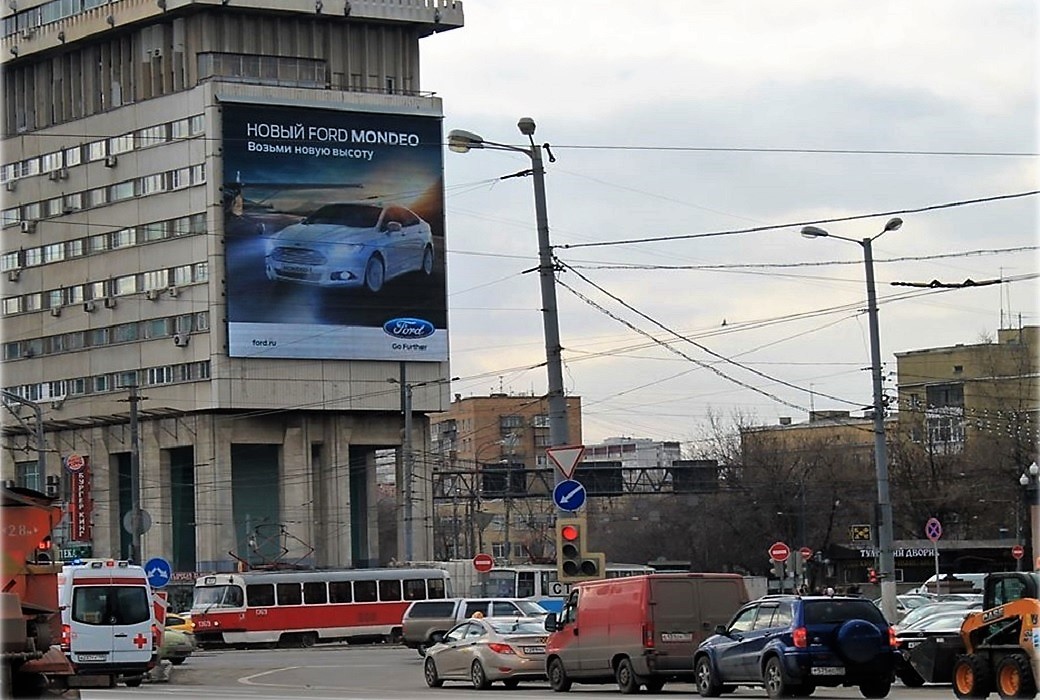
1030,481
461,141
886,563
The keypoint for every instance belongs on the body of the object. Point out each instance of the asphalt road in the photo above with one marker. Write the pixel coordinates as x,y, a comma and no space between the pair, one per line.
362,672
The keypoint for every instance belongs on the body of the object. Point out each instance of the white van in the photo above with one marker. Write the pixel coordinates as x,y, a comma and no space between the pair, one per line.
108,620
953,583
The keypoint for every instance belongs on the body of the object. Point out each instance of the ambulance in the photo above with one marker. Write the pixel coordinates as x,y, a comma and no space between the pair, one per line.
109,625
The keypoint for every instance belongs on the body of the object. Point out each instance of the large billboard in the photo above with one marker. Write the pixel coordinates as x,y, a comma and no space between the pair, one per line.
334,234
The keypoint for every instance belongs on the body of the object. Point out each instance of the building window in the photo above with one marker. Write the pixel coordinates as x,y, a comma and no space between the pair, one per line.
27,475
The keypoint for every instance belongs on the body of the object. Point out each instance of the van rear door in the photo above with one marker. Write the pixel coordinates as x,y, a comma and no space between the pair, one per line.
676,616
112,619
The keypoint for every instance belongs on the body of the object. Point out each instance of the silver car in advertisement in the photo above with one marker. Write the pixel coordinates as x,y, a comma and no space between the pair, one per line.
482,651
351,244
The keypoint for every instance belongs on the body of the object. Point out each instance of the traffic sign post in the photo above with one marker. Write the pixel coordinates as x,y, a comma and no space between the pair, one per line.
779,551
483,563
806,553
933,530
1018,551
159,572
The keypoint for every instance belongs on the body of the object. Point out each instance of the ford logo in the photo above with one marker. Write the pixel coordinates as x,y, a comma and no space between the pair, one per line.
408,328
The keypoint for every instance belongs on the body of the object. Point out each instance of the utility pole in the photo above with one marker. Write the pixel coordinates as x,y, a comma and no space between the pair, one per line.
37,428
136,551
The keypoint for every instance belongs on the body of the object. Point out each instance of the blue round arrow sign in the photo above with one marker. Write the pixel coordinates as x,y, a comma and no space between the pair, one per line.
159,572
569,495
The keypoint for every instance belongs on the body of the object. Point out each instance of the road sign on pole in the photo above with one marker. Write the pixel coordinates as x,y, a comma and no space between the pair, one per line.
566,458
806,553
933,529
159,572
569,495
483,563
779,551
1018,551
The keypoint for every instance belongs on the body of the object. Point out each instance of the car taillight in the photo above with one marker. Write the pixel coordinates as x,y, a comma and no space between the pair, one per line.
800,636
66,638
648,636
893,640
501,648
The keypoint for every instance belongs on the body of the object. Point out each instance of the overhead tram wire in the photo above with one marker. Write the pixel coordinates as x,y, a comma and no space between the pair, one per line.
773,227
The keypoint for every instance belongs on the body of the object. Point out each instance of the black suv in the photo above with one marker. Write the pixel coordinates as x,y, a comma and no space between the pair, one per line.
793,644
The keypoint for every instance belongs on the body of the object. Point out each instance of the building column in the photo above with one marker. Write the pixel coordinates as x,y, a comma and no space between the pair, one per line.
214,519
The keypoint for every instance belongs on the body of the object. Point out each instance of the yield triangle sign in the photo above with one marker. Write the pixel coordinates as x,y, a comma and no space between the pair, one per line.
566,458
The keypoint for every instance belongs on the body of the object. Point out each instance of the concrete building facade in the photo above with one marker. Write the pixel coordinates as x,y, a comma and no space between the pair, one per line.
118,287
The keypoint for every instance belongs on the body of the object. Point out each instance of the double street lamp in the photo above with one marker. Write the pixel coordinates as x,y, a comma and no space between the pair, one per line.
886,563
461,141
1030,481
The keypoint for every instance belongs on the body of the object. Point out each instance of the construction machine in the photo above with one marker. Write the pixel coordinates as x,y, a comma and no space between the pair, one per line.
1002,641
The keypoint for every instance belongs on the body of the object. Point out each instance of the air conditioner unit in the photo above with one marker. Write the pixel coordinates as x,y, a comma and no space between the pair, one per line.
110,161
27,33
89,305
10,185
9,483
110,303
53,484
29,353
181,340
152,294
63,173
13,275
28,226
54,175
55,311
173,291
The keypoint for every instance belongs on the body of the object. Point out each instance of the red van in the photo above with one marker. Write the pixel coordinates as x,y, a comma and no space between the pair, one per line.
637,630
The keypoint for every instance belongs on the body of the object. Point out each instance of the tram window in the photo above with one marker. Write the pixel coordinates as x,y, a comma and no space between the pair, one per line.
364,591
414,589
260,595
390,590
314,593
524,584
435,586
339,592
289,594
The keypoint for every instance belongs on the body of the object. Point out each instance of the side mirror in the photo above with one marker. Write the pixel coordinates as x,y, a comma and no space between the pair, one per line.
721,629
551,624
393,227
437,637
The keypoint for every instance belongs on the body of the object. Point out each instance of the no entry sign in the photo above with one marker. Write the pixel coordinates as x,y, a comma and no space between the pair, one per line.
779,551
483,563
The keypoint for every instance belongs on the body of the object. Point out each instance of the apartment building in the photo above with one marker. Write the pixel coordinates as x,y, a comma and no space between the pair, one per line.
222,269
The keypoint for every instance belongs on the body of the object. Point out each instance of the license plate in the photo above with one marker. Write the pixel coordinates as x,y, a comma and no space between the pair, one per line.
828,670
296,268
911,645
91,657
533,650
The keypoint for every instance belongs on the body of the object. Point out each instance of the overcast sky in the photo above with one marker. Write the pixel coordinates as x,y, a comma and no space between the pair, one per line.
667,118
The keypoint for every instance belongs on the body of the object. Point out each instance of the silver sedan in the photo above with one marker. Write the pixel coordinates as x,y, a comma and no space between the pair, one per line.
483,651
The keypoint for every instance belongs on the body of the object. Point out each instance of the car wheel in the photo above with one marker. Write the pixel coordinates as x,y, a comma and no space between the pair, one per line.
375,275
427,260
627,680
776,686
308,639
801,691
558,676
134,682
1015,678
478,677
971,677
859,641
654,685
430,673
178,661
511,683
707,684
421,649
910,678
877,688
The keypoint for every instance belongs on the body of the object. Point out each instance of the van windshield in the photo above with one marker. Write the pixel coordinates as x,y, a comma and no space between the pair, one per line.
217,597
111,605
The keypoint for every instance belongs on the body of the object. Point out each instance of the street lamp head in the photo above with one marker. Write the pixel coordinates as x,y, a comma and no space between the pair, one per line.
814,232
526,126
461,141
893,224
1034,469
1024,480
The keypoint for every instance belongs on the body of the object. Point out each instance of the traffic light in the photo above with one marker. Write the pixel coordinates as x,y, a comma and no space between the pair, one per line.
44,551
573,562
872,575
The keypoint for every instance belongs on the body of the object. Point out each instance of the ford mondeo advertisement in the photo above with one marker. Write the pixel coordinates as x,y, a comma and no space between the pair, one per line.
334,234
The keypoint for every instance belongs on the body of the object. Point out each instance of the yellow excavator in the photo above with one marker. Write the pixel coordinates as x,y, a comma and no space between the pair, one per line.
1002,641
